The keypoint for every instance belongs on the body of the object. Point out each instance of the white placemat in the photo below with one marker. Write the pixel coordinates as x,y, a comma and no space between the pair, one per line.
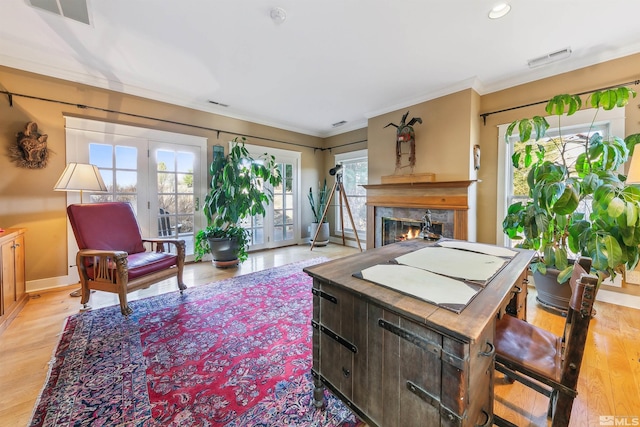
479,247
454,263
434,288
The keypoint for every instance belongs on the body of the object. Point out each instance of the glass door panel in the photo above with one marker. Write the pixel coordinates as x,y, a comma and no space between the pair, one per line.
283,206
122,165
176,171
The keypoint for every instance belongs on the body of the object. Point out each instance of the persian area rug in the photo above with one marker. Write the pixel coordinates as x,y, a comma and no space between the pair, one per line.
231,353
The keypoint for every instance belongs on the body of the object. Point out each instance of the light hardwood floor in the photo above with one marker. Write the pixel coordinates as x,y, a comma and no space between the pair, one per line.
609,382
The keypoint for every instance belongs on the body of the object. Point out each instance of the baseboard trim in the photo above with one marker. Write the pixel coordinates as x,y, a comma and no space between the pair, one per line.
618,298
50,283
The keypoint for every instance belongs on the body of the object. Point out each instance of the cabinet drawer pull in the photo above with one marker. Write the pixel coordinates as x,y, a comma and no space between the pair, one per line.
346,372
517,290
490,353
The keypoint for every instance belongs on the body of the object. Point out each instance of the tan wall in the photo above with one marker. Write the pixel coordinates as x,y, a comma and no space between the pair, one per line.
26,196
444,143
610,73
443,140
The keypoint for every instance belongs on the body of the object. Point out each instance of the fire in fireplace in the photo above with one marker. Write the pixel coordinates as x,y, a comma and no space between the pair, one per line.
400,229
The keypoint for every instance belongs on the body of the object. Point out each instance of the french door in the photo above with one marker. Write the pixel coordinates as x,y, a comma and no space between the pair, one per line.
280,225
161,174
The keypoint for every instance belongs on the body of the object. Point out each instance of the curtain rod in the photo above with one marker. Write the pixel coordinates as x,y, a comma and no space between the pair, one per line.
485,115
10,95
346,144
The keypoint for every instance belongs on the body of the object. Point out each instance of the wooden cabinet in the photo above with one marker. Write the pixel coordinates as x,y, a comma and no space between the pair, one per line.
12,275
399,361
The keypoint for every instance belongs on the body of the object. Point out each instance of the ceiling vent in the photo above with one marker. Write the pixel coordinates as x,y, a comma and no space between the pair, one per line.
338,124
550,57
218,103
72,9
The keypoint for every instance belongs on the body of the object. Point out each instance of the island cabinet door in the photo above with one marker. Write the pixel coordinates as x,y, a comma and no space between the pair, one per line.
333,343
411,370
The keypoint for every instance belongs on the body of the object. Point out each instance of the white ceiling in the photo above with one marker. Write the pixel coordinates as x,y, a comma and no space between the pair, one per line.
331,60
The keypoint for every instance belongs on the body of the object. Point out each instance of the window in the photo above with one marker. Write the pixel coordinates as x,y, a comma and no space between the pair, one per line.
512,183
354,175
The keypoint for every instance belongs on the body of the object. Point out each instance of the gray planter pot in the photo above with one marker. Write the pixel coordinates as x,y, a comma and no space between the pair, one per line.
224,251
552,294
323,235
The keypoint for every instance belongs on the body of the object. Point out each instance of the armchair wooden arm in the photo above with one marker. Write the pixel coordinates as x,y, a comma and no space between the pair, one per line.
158,245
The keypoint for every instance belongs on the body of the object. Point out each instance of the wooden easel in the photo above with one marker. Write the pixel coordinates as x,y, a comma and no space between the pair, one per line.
340,187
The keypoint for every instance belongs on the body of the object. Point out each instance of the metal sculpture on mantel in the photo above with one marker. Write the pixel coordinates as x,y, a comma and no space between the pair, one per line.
404,134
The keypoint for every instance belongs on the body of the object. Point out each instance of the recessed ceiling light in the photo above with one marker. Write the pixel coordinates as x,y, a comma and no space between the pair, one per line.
499,10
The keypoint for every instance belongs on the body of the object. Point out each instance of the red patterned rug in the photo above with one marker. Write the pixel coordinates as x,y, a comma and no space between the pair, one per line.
231,353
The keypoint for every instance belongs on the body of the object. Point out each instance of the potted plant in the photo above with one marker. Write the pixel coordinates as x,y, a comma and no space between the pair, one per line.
318,206
237,192
577,204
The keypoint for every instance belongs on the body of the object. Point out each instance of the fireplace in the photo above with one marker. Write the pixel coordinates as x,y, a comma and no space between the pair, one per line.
452,206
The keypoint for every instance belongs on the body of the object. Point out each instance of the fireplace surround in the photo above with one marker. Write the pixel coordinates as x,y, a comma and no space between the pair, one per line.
452,204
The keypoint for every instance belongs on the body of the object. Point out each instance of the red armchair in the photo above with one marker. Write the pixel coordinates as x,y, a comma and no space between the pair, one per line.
113,256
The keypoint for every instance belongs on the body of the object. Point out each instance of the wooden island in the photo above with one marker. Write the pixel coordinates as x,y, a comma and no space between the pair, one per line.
397,360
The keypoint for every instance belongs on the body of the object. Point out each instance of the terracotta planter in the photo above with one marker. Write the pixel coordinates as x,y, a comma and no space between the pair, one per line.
323,235
552,294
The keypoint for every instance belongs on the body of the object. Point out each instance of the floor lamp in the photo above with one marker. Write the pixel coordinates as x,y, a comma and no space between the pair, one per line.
80,177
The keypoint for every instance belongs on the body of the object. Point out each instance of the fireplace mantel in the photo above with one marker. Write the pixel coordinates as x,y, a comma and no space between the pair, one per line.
435,195
430,184
456,196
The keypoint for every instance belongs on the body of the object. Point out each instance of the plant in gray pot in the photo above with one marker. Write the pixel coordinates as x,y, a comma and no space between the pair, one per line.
318,207
237,192
577,204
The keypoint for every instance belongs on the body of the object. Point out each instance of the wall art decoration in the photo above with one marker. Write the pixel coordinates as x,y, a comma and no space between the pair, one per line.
30,150
405,135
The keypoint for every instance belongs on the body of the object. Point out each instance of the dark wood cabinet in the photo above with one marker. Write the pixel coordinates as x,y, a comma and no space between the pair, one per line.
12,275
399,361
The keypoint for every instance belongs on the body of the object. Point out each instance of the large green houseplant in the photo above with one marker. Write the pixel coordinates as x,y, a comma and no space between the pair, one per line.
576,204
237,192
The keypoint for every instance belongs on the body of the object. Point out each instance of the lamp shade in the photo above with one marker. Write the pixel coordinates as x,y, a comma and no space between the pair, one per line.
80,177
633,175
